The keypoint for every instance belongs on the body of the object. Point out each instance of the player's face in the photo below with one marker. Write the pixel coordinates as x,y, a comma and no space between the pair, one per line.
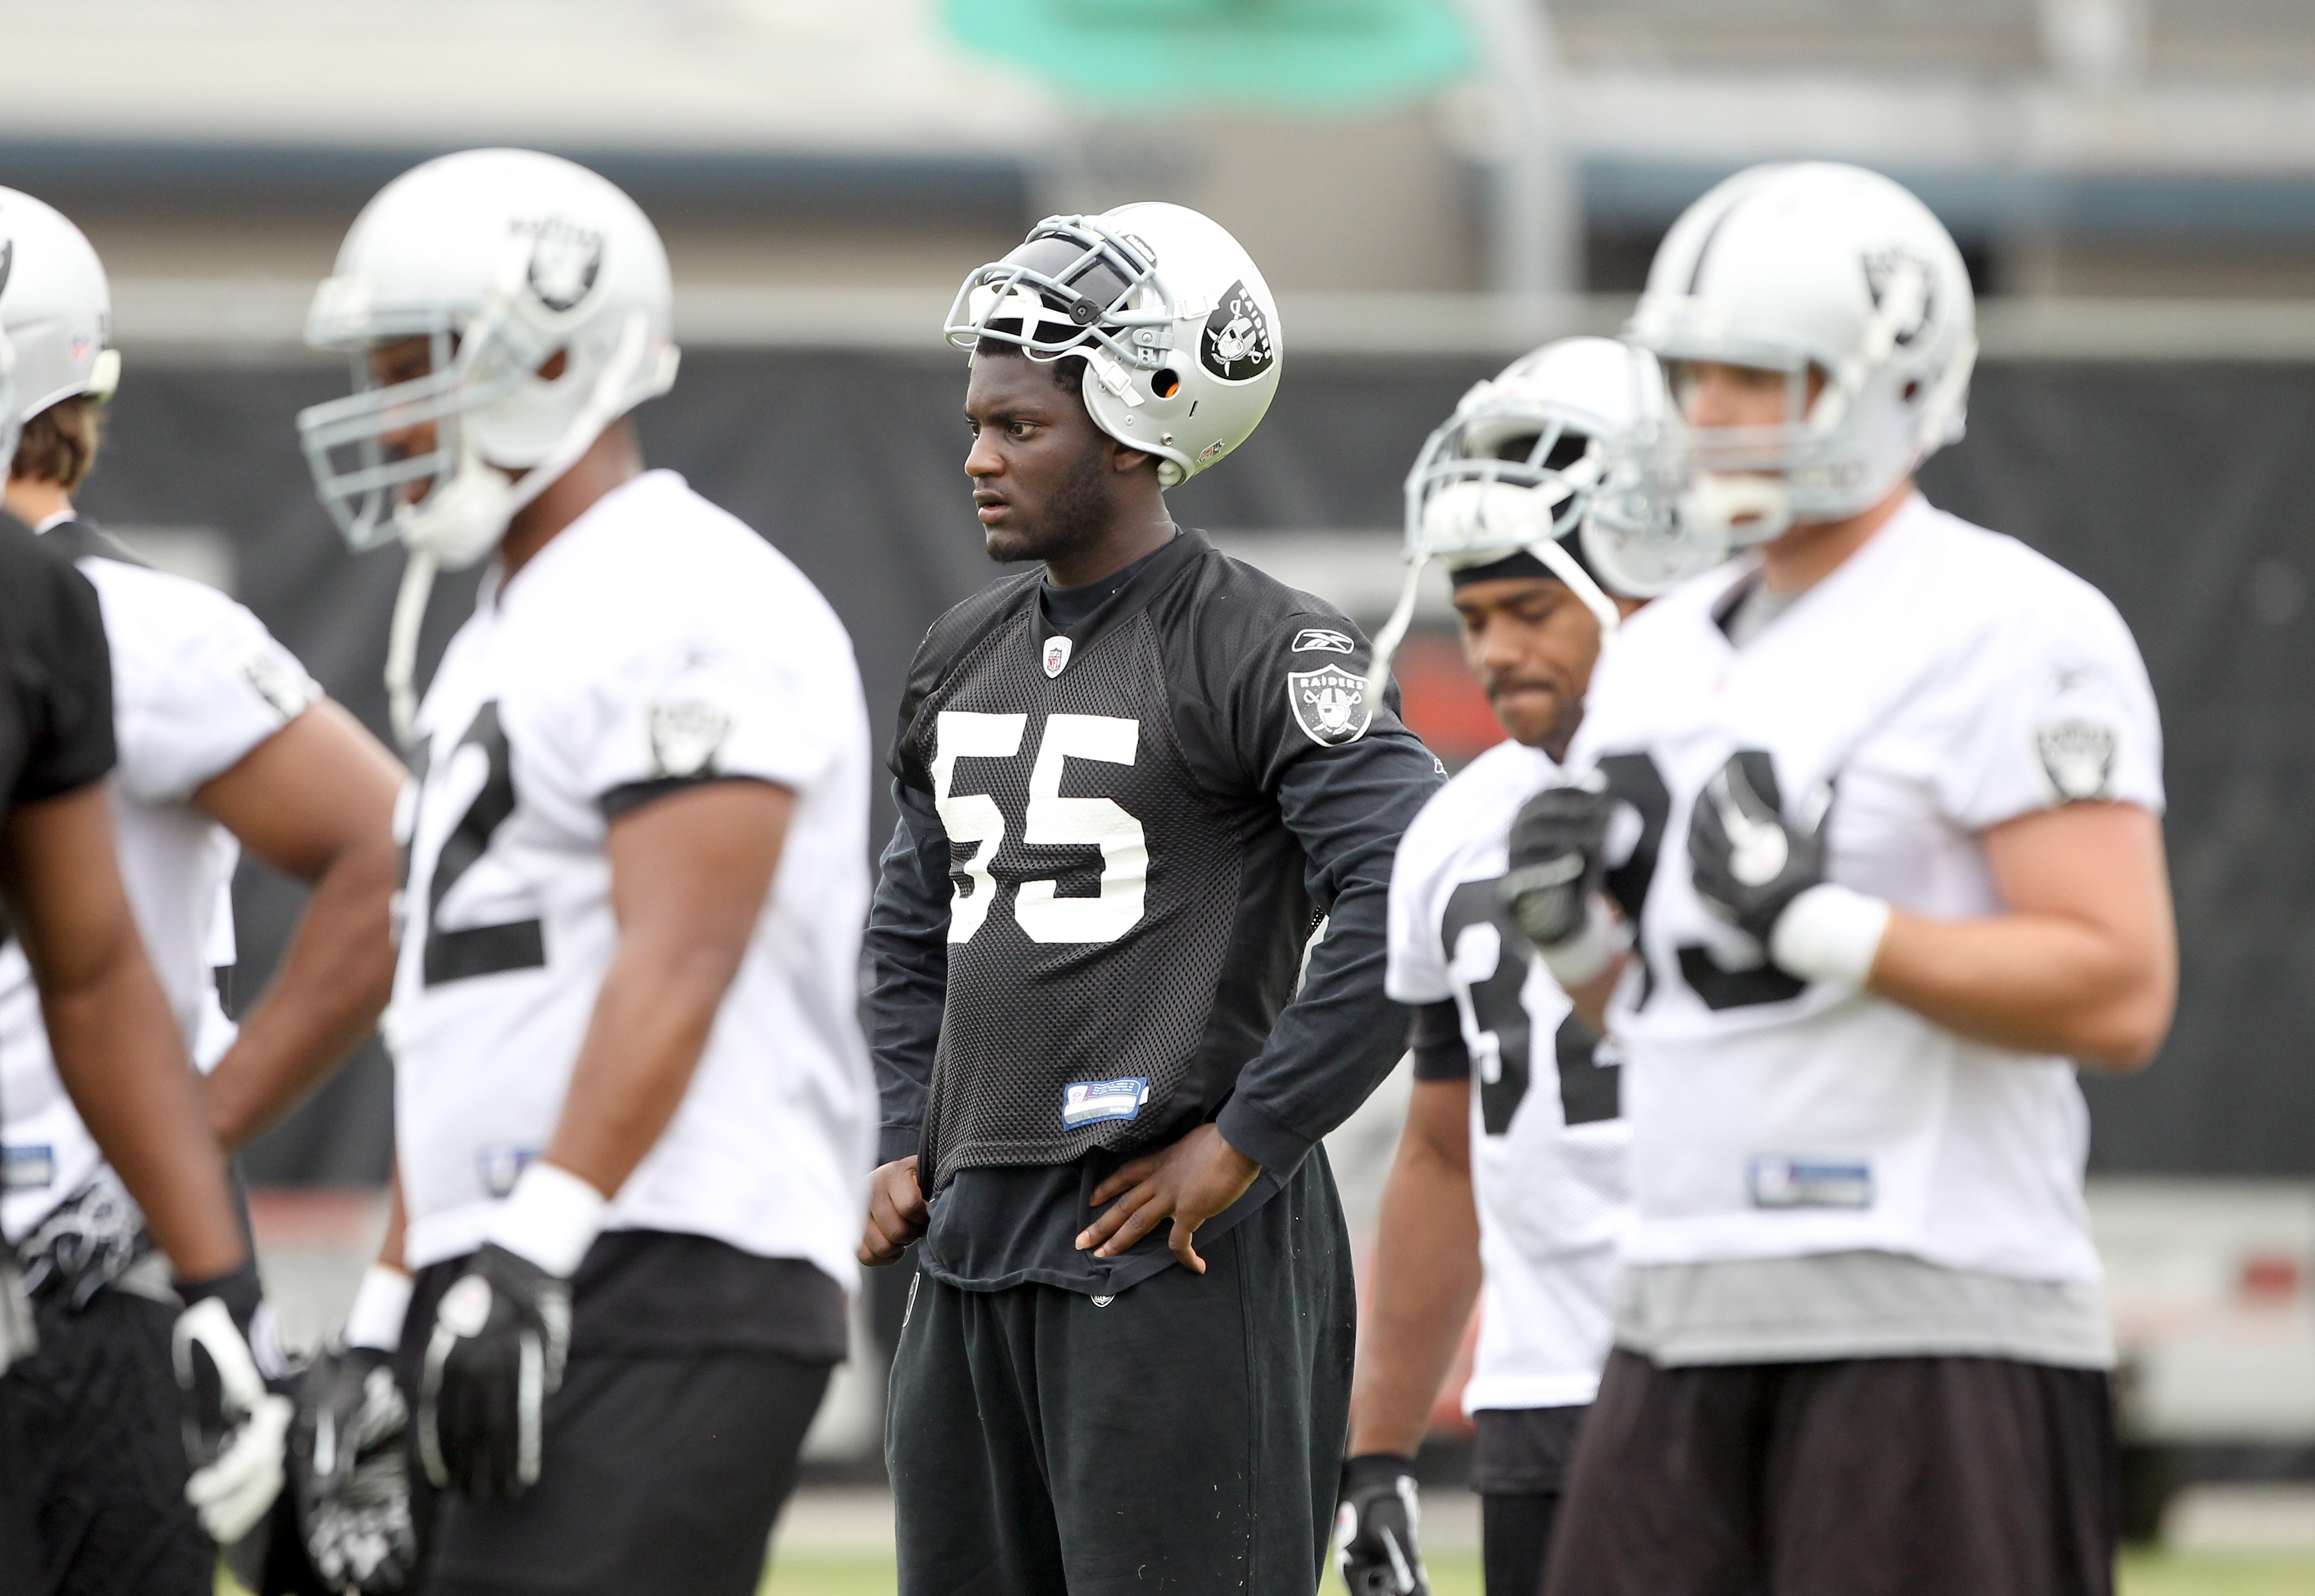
1712,393
1532,643
404,359
1038,465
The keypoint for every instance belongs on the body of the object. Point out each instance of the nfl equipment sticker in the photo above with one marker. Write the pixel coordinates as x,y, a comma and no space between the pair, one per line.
686,738
1089,1103
1322,637
1057,654
2078,756
1330,704
1235,344
1781,1182
27,1167
499,1164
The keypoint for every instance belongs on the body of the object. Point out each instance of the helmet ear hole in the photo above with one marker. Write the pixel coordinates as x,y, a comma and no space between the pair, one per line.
1166,383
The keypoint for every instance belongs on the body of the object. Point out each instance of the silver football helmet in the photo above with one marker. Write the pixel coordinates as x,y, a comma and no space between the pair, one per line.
1801,268
1555,448
56,307
505,261
1178,332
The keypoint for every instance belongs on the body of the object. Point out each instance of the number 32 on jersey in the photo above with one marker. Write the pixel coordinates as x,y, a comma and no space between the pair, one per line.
977,827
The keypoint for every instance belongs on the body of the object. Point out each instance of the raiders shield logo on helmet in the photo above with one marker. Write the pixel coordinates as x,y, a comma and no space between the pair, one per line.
1235,344
2078,756
564,262
1330,704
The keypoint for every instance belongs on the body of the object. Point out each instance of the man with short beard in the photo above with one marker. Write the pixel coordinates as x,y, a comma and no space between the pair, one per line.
1130,784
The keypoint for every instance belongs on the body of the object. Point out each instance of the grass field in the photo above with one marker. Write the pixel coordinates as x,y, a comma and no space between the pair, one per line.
2157,1573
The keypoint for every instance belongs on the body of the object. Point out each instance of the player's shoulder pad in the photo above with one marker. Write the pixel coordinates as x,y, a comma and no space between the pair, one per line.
1484,794
964,622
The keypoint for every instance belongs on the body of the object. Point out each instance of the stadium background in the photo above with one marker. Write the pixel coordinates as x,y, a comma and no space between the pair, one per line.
2133,183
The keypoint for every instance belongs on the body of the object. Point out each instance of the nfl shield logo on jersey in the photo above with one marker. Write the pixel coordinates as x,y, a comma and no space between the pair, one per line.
1057,654
1330,704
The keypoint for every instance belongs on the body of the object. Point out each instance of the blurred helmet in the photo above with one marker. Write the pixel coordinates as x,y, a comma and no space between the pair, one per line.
1526,462
1177,330
1824,267
503,260
56,307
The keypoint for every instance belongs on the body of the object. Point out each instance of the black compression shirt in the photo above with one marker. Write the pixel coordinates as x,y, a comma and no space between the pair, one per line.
1115,838
56,704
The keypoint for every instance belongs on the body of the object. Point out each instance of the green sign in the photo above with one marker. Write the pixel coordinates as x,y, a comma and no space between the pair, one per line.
1148,54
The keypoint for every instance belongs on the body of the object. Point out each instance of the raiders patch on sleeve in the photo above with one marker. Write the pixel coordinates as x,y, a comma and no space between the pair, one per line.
686,738
2078,757
1329,703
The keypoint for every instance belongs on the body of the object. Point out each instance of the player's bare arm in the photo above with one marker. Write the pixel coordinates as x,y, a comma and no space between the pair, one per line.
2085,964
1426,1274
689,873
315,802
115,1042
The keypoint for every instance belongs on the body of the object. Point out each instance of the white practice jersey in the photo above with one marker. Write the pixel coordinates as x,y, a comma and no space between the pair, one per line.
1945,680
196,683
1548,1141
656,641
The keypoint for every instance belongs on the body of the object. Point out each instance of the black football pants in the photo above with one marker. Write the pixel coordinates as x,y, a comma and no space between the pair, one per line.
1186,1437
1863,1477
102,1466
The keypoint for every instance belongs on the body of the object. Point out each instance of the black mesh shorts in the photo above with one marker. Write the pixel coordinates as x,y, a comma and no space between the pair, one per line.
103,1465
1865,1476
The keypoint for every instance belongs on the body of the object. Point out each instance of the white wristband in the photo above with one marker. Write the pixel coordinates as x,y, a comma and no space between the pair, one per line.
1830,934
380,1305
550,1218
1584,957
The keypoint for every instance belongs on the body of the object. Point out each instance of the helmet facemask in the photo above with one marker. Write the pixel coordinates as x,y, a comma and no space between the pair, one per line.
1500,476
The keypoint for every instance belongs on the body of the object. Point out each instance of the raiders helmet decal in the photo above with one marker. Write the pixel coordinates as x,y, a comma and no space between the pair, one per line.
1235,344
1881,269
564,262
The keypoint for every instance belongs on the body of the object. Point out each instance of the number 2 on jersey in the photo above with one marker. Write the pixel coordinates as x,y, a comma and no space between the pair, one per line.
479,949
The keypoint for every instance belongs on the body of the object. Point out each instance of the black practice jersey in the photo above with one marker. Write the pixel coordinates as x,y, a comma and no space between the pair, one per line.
56,706
1144,816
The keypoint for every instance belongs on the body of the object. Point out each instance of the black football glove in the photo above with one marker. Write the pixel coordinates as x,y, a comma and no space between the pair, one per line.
1374,1528
494,1357
1559,843
234,1426
351,1471
1749,862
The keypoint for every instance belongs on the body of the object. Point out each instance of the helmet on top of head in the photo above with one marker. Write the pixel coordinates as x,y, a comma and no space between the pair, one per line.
56,307
503,260
1813,267
1177,330
1543,459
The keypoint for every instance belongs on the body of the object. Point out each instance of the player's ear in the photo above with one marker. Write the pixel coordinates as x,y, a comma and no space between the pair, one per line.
1124,460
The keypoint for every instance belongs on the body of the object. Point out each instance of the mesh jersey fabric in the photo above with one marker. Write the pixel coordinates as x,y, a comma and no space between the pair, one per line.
1125,925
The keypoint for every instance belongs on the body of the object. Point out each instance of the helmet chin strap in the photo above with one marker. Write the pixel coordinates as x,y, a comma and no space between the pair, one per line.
1738,510
604,404
1569,570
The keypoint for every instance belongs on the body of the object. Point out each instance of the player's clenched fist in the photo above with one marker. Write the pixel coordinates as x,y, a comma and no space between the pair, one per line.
897,1214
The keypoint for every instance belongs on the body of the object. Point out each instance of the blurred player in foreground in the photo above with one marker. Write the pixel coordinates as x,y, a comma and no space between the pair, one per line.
1130,784
223,740
1510,1176
1911,865
116,1048
632,1101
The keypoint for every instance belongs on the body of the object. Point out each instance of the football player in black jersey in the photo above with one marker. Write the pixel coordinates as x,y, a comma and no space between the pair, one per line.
1132,784
115,1042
